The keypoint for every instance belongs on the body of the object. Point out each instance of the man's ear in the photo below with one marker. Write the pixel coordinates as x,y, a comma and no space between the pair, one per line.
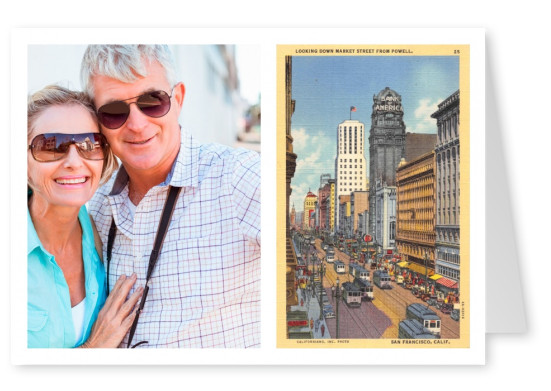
179,94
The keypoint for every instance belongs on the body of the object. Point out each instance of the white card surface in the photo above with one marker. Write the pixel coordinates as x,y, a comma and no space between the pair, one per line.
481,320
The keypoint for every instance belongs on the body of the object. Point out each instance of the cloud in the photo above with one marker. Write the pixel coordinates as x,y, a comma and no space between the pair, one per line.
298,193
309,162
423,122
315,156
300,139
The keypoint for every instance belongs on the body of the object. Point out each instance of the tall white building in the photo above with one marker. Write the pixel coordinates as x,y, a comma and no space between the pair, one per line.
350,163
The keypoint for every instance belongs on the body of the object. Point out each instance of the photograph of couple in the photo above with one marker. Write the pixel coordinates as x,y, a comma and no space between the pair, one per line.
139,233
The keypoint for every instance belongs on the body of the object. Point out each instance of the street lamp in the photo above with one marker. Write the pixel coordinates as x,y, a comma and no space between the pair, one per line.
321,273
337,298
426,274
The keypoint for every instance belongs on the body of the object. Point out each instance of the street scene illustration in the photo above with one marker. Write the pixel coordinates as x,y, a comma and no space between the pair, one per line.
372,197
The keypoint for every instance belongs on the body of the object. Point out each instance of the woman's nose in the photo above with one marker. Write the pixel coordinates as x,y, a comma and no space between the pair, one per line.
72,158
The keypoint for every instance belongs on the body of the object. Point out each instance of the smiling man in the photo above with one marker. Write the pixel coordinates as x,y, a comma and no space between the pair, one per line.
204,287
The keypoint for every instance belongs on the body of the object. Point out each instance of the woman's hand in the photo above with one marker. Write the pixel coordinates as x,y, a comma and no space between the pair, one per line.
116,316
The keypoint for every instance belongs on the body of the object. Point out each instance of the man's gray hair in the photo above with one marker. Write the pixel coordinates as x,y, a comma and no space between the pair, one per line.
125,63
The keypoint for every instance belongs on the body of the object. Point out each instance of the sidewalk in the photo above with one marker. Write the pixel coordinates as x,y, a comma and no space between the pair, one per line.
311,305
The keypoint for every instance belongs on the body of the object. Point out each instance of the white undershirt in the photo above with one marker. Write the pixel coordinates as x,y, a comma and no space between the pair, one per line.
78,318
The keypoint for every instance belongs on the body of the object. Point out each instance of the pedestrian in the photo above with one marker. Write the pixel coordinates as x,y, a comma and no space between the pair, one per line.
204,287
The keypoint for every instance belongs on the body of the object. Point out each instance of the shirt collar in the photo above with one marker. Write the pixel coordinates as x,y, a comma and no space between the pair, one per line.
33,241
183,173
32,237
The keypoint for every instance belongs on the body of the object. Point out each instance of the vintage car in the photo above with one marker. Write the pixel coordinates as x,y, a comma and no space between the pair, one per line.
446,308
455,315
328,311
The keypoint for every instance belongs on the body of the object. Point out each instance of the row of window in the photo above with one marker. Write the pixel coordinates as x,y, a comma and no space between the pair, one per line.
447,272
414,250
346,160
448,128
415,228
448,236
447,218
349,128
448,257
351,172
343,152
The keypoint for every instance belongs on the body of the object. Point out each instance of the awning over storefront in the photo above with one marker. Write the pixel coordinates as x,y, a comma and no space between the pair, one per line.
420,269
436,277
403,264
447,283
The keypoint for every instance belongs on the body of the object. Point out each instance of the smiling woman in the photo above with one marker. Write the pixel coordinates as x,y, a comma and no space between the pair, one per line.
67,159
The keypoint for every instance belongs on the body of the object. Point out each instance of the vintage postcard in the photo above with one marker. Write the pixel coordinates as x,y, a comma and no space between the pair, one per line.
374,219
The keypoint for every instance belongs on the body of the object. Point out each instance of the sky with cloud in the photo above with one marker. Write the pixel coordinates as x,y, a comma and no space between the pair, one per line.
324,88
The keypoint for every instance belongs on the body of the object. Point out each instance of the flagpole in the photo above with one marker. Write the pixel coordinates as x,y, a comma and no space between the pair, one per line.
352,108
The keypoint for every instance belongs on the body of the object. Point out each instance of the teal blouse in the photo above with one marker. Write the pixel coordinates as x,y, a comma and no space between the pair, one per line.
50,322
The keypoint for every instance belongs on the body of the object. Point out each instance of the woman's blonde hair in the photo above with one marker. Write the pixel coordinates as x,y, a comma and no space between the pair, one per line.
55,95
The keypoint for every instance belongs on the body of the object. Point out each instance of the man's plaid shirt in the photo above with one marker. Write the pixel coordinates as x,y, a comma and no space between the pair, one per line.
205,288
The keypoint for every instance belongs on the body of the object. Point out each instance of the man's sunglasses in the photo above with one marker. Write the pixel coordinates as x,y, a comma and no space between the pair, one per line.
153,104
49,147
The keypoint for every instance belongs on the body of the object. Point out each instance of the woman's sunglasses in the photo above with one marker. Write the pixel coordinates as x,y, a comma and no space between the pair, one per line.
153,104
49,147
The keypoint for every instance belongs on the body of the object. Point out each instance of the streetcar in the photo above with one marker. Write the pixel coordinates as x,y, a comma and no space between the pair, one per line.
356,270
351,295
412,329
424,315
365,287
381,279
330,257
339,267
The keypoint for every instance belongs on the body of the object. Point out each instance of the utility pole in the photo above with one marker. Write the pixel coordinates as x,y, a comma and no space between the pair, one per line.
337,298
426,273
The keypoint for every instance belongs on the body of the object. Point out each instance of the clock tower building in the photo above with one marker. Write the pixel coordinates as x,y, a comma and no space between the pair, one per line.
387,140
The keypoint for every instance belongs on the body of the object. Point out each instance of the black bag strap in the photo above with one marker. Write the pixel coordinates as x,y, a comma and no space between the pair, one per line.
164,222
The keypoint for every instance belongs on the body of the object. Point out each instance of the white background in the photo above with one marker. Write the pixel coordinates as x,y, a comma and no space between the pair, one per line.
518,77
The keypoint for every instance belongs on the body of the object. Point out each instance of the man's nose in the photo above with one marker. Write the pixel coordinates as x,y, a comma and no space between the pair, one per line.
136,119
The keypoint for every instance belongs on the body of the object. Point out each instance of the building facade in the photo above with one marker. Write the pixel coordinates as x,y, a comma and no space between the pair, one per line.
299,218
324,197
344,215
416,188
293,221
290,166
447,188
330,213
363,221
386,145
359,203
385,217
350,163
309,210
